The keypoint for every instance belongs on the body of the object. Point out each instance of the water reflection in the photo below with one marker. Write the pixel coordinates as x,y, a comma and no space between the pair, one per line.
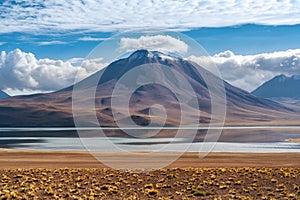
62,143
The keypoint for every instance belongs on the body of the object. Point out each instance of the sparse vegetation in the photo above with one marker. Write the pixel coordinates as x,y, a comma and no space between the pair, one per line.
196,192
294,140
179,183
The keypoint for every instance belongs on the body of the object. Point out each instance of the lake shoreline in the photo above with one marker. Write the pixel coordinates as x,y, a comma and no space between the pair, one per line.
83,159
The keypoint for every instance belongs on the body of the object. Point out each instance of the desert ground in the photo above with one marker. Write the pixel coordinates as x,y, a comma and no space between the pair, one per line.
83,159
78,175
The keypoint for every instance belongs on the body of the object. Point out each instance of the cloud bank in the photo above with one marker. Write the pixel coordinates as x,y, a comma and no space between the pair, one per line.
163,43
250,71
21,71
114,15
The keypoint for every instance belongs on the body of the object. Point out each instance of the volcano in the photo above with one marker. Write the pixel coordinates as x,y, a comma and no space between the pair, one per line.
55,109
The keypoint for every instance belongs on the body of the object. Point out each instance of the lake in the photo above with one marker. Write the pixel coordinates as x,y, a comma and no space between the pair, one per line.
126,144
30,138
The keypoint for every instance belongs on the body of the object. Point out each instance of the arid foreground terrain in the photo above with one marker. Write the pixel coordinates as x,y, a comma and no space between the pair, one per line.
173,183
77,175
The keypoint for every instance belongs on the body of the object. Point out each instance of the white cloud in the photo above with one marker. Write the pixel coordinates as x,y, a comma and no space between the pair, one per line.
76,61
163,43
93,65
2,43
91,39
20,71
46,43
16,92
114,15
250,71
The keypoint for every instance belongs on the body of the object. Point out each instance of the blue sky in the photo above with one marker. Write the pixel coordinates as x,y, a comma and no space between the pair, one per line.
242,39
61,46
42,41
248,39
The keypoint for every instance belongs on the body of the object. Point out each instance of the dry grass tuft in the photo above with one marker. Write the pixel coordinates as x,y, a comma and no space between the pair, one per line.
177,183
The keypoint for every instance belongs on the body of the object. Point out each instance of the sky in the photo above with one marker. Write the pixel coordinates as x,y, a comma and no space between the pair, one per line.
43,42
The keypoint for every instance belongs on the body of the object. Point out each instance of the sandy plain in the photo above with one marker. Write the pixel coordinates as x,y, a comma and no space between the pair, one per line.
31,174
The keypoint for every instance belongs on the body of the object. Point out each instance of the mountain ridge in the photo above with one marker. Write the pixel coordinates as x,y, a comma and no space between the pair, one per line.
279,86
3,95
55,109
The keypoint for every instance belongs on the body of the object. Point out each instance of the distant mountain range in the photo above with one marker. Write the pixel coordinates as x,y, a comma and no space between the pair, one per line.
55,109
281,88
3,95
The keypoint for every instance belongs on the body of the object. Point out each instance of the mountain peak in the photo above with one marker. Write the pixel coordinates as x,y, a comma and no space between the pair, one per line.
140,52
281,78
143,53
280,86
295,77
